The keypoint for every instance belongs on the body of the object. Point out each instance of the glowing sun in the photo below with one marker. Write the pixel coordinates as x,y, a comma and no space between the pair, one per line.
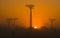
35,27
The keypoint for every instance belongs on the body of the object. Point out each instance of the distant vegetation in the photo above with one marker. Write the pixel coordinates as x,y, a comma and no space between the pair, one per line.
16,32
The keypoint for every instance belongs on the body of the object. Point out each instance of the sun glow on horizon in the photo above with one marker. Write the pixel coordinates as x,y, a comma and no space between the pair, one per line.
35,27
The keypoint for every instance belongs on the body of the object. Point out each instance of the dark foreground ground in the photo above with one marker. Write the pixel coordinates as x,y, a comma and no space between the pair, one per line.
6,32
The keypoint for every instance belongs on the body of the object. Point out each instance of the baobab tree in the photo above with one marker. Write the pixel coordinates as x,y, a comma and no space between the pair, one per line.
9,20
14,20
30,7
52,22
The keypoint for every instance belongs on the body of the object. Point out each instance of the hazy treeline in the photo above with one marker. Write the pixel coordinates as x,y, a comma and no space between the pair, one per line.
10,32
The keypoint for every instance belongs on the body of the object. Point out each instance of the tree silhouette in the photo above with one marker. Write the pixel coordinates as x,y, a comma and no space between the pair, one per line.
52,21
30,7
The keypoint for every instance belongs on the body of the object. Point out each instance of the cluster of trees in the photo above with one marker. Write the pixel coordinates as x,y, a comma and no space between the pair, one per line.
21,32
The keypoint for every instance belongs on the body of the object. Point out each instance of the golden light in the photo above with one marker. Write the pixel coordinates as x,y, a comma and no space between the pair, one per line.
38,27
35,27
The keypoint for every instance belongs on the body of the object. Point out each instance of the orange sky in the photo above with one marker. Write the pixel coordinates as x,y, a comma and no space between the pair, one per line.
43,10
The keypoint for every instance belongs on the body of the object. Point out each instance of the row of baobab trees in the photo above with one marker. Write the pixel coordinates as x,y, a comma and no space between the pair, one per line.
30,7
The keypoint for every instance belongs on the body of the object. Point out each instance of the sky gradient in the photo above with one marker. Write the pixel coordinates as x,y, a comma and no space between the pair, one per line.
43,10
